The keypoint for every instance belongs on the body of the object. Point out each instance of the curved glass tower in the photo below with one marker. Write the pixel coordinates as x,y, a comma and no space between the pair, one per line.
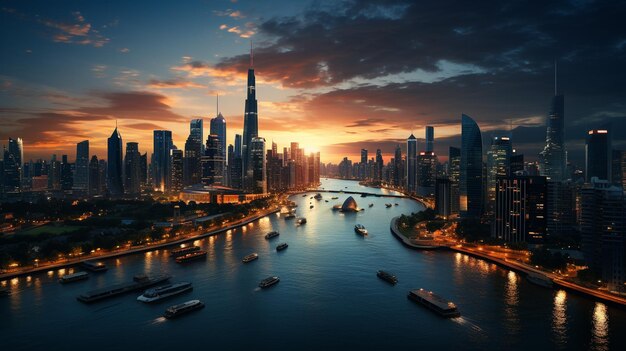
471,177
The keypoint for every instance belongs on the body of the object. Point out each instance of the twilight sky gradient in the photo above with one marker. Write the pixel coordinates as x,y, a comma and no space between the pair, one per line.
335,76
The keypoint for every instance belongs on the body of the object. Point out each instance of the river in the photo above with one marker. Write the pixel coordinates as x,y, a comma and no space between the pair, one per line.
328,298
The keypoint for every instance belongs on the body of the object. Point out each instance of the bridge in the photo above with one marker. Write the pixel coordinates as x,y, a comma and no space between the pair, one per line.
351,193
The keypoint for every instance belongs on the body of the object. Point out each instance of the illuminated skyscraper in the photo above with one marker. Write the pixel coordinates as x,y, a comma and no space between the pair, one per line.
250,119
553,156
176,171
471,182
132,169
115,164
192,169
212,162
598,155
411,164
454,174
161,166
218,127
430,138
81,174
498,164
258,165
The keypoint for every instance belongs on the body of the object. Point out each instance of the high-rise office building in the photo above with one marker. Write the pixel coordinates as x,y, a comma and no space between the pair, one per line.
132,169
115,184
213,162
430,139
193,154
161,167
379,165
516,163
520,209
398,174
363,173
454,174
470,179
598,155
238,145
176,171
426,173
258,165
618,168
443,197
218,127
250,120
12,167
67,180
411,164
143,169
95,187
554,155
81,176
16,148
603,231
498,164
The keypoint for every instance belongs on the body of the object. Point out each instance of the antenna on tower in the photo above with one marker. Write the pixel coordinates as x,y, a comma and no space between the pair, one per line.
555,78
251,55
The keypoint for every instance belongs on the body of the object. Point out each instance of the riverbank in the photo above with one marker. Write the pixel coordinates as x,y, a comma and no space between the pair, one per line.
73,262
414,244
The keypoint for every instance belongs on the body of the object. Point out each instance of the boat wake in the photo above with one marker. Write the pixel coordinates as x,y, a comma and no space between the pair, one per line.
158,320
257,289
468,323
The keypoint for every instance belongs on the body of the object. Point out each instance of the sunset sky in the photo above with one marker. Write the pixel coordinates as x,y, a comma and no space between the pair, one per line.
334,76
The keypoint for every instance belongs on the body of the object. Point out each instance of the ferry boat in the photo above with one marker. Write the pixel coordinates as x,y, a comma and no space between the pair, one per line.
163,291
186,307
139,282
301,221
360,229
435,303
68,278
94,266
387,205
196,255
281,246
388,277
183,251
317,196
539,279
251,257
272,234
290,216
267,282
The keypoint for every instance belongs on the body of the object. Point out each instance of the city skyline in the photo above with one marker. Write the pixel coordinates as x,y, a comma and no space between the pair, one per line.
376,103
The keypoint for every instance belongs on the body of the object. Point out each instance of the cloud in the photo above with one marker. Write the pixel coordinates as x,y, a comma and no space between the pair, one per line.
76,32
229,13
243,32
124,50
175,83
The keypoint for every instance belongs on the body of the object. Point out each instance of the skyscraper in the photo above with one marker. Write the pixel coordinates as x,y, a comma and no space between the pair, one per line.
237,145
67,180
411,164
426,173
94,176
132,169
520,208
12,166
498,164
115,184
212,162
218,127
81,176
258,165
454,174
398,174
379,165
470,182
598,155
176,171
193,154
161,167
250,118
553,156
430,138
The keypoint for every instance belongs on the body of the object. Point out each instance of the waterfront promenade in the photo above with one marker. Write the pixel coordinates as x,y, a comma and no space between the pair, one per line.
149,247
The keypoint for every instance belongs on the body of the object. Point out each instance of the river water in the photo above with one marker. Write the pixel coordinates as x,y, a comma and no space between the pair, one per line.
328,298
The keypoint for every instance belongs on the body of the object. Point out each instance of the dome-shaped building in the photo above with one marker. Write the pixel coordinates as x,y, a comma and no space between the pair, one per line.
349,205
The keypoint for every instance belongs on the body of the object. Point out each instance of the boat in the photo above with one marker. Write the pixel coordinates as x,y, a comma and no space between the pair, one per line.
396,204
301,221
304,195
311,206
251,257
272,234
281,246
388,277
539,279
139,282
371,205
360,229
267,282
363,195
337,208
317,196
196,255
387,205
326,200
435,303
290,216
164,291
334,198
94,266
185,307
183,251
74,277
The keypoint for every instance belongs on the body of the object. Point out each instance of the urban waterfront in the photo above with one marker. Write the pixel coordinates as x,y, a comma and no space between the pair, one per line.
328,296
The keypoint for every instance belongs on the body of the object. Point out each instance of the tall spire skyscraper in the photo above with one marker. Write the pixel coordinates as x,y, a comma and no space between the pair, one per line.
250,119
115,185
553,156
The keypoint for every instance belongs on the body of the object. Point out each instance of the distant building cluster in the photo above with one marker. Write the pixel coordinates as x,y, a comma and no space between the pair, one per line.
524,202
205,171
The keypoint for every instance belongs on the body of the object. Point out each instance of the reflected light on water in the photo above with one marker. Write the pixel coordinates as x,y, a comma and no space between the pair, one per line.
511,298
559,318
600,327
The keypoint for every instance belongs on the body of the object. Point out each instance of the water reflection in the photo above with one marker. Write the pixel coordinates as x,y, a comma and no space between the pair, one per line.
600,328
511,298
559,318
